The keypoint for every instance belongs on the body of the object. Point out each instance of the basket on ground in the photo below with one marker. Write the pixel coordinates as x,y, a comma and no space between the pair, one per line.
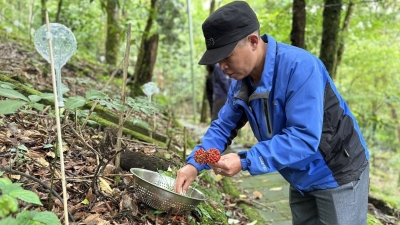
156,190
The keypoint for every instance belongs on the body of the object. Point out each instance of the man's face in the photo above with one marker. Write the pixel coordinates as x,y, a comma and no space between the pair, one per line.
240,62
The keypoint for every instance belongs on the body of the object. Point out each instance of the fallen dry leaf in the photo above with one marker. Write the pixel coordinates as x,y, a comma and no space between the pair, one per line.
276,189
17,177
257,194
89,195
105,186
109,169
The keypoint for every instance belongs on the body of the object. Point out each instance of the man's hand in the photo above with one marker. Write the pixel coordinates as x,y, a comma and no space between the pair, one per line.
184,177
228,165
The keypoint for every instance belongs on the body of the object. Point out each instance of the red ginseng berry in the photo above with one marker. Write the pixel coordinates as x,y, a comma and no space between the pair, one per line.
200,156
213,155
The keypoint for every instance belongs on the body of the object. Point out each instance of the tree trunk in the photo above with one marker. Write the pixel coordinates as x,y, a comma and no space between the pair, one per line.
144,70
147,55
396,122
59,10
343,32
297,36
44,9
204,103
330,33
113,32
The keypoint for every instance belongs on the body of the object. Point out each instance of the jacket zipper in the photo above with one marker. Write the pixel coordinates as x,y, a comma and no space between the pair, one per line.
267,118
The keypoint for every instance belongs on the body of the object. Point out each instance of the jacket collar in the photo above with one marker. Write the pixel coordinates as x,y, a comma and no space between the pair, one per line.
265,84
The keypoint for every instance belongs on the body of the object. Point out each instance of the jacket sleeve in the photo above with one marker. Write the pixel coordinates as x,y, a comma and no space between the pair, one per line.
221,131
302,84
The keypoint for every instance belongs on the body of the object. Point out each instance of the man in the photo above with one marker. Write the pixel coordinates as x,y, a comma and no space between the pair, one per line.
305,129
221,83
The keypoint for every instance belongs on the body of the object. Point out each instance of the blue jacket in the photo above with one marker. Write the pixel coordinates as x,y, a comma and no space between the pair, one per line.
304,128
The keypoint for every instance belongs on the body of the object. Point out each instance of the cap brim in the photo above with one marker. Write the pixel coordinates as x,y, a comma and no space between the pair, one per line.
212,56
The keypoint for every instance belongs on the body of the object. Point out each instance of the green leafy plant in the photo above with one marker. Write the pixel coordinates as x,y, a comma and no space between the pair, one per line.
10,192
17,100
138,104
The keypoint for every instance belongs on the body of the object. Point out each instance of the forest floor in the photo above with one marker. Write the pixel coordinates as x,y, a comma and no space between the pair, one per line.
27,151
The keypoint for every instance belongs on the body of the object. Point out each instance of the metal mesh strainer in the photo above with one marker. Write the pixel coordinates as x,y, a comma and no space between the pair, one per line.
156,190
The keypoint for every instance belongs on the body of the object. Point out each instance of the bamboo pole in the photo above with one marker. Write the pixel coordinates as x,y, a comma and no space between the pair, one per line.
122,113
59,138
189,6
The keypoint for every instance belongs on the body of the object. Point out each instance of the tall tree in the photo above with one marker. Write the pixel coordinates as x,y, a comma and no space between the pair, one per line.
204,104
343,32
44,9
59,10
297,36
330,34
113,31
147,54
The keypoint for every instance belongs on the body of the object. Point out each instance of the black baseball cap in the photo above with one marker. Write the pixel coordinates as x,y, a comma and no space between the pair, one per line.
224,28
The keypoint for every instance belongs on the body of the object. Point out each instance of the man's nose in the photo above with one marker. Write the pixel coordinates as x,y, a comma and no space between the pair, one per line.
223,66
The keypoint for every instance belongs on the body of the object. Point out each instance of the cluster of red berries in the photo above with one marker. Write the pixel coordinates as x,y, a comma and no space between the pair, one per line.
212,155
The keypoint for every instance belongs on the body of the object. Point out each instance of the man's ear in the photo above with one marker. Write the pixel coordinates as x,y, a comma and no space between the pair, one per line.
254,40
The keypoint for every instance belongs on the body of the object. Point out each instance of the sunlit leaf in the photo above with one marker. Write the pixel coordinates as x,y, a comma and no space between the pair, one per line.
47,96
10,106
9,221
34,98
26,196
10,93
38,106
46,218
95,94
75,102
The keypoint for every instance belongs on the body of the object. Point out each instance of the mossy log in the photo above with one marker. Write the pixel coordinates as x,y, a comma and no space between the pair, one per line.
104,116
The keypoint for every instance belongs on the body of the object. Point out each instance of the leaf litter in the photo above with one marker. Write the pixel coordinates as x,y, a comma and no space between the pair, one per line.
28,147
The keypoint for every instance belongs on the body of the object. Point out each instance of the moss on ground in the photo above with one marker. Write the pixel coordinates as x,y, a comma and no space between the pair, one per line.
371,220
249,210
212,206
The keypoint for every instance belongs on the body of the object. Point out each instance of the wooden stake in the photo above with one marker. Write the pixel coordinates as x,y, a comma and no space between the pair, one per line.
59,138
122,114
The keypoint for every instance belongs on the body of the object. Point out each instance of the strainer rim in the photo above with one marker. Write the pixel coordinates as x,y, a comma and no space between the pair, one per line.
179,195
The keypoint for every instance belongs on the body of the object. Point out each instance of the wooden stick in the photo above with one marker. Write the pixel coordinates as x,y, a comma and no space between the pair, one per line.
53,75
122,113
102,90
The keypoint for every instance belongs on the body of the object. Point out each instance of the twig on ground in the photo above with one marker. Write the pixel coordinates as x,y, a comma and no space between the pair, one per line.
83,141
39,182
